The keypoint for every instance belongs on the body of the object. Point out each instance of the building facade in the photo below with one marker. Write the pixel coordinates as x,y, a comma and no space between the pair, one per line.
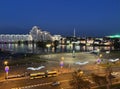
39,35
15,38
35,34
56,37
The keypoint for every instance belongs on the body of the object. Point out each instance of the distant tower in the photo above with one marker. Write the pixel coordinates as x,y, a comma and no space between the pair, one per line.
74,33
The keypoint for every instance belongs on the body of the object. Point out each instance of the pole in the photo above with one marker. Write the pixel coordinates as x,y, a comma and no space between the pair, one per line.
6,71
6,75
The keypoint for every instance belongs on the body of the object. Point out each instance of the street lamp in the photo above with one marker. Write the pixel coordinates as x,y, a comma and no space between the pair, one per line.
62,58
5,63
108,53
70,46
80,73
100,55
61,62
98,50
48,46
73,51
6,69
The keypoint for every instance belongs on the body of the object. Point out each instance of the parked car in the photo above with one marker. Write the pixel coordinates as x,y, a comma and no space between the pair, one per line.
56,83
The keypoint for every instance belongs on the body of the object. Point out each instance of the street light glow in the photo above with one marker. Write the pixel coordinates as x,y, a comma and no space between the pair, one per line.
5,62
48,45
62,58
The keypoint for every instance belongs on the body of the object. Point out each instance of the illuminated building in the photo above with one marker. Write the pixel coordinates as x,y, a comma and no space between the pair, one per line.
14,38
114,36
36,34
39,35
56,37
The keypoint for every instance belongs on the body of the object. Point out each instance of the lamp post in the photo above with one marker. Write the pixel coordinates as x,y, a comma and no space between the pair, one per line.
80,73
73,51
108,53
61,62
48,48
98,50
70,46
6,69
5,63
62,58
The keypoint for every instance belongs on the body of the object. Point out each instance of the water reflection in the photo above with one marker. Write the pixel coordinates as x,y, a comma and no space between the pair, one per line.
32,48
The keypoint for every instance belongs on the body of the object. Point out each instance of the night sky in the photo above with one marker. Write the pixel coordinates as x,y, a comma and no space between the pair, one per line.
88,17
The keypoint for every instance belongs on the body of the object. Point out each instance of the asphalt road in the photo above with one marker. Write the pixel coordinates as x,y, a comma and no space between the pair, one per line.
43,83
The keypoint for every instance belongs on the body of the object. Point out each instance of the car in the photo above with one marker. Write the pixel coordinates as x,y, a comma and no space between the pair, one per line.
56,83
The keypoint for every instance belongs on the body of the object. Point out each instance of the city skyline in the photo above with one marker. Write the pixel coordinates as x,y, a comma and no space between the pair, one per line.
89,18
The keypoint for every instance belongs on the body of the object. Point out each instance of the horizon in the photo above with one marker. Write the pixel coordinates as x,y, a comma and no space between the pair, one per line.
68,35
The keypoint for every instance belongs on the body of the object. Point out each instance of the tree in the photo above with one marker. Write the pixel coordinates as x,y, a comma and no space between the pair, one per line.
109,76
41,44
78,81
56,43
25,42
116,44
99,80
105,79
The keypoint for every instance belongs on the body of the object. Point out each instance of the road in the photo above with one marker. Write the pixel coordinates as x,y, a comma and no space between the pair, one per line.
43,83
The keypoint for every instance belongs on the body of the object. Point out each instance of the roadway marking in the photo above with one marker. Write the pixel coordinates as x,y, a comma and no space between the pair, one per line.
37,85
